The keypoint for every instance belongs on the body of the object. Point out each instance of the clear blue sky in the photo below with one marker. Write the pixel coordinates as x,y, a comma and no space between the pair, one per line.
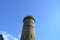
45,12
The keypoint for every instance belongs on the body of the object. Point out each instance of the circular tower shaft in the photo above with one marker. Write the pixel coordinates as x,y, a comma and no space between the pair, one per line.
28,31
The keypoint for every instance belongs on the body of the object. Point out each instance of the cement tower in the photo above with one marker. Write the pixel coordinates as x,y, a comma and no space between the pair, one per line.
28,31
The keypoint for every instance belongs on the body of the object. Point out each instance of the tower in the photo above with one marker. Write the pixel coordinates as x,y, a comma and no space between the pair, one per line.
1,37
28,31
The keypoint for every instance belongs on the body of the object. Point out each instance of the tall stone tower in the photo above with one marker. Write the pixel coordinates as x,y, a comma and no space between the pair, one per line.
28,31
1,37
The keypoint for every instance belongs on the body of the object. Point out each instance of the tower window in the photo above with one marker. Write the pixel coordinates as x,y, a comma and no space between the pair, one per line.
23,37
31,36
34,38
26,35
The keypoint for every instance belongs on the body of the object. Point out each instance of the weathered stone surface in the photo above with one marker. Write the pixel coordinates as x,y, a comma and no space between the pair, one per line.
28,31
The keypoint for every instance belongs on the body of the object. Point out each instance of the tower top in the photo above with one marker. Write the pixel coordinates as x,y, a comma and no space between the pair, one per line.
28,17
0,35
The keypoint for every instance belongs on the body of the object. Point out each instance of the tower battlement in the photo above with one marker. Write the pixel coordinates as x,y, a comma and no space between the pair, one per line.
28,17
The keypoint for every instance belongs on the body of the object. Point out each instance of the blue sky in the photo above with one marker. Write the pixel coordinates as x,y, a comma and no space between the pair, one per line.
45,12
